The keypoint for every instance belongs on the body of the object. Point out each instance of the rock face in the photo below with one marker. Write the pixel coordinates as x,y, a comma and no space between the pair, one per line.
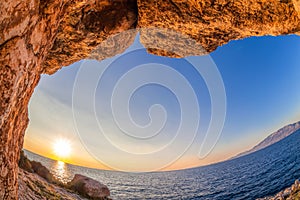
26,34
31,31
32,186
36,167
89,187
25,163
273,138
42,171
214,23
36,182
87,24
42,36
291,193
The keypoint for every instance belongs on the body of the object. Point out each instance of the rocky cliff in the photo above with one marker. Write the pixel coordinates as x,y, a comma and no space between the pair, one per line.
41,36
273,138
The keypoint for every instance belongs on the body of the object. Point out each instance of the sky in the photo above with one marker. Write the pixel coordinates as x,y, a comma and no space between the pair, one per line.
126,116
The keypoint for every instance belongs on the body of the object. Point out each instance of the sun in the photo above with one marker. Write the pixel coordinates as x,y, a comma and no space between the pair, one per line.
62,148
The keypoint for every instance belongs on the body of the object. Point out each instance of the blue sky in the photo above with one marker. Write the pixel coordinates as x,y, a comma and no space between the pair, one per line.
261,76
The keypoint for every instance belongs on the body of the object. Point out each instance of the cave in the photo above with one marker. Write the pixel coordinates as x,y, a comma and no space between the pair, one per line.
40,37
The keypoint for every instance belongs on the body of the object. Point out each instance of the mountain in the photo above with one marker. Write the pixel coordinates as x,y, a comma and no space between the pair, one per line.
273,138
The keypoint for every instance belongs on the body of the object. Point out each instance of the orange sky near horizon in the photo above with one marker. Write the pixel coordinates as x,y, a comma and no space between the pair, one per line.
80,157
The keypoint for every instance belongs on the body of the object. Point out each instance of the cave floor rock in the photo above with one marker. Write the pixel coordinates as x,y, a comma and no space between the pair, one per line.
32,186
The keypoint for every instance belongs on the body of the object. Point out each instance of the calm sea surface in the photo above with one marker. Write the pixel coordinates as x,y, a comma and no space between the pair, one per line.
260,174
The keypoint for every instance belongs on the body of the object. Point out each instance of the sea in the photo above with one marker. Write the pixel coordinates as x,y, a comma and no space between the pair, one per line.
253,176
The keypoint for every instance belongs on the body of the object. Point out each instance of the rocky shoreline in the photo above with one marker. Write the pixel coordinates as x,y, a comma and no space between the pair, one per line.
37,183
290,193
32,186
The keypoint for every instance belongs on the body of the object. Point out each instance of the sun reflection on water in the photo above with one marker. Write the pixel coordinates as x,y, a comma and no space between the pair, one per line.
61,171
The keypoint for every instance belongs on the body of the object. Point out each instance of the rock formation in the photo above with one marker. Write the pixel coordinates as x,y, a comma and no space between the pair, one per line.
36,182
85,26
36,167
290,193
34,187
272,139
213,23
30,32
88,187
41,36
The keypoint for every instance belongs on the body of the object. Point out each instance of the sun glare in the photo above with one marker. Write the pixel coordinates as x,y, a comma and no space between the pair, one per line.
62,148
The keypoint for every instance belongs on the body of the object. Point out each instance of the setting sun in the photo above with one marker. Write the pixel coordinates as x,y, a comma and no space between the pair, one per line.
62,148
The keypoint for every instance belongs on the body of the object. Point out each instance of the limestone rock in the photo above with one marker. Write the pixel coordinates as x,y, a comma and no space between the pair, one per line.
36,34
36,182
88,187
297,5
85,26
214,23
32,186
42,171
290,193
26,33
41,36
25,163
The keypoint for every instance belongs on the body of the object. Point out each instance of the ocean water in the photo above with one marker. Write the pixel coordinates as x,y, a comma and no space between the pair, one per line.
260,174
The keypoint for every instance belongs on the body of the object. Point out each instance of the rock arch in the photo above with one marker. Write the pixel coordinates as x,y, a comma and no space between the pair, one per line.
42,36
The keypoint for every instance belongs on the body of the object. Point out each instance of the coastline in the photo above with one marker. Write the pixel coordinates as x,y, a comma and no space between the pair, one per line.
290,193
37,183
33,185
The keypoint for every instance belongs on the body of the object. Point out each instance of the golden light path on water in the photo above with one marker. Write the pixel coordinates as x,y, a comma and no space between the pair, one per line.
60,171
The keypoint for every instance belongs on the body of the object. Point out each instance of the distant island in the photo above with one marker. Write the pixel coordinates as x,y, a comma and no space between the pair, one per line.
272,139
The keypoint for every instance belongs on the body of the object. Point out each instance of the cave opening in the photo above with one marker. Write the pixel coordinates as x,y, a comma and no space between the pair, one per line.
257,85
38,37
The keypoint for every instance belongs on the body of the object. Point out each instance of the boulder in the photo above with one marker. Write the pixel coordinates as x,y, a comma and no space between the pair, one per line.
297,183
89,188
24,162
42,171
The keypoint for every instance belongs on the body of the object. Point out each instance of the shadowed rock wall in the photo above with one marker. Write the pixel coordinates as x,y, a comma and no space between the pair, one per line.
38,37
